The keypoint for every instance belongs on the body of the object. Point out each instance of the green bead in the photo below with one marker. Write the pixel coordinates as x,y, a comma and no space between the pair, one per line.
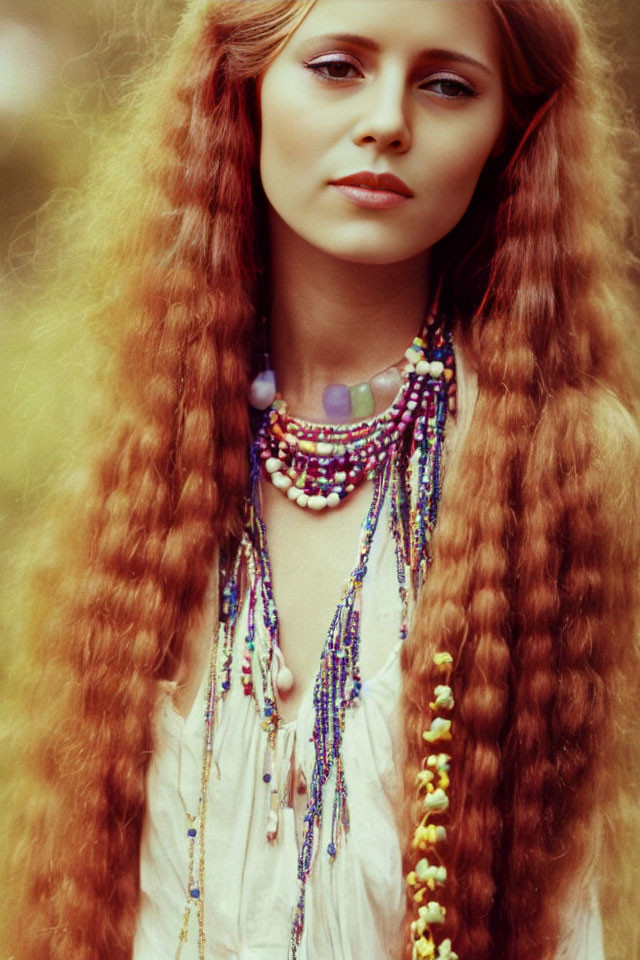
362,402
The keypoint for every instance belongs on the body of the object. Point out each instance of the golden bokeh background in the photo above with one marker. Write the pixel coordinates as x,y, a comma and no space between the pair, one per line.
64,64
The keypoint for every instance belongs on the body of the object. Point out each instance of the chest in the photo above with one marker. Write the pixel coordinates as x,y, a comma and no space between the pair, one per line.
312,557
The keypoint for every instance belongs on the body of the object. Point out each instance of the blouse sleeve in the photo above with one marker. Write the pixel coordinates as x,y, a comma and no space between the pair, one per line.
582,922
580,917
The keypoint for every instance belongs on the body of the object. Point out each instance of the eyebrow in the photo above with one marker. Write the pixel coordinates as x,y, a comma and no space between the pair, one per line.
434,53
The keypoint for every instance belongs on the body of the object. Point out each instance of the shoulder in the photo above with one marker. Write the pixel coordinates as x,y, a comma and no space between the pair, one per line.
616,461
610,414
617,438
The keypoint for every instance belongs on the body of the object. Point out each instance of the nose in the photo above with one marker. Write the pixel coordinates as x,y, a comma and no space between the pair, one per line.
383,119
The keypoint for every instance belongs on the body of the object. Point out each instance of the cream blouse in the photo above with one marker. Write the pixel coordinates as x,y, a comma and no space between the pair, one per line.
355,903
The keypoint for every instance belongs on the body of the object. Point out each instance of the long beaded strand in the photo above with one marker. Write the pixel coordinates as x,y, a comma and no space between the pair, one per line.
196,824
337,688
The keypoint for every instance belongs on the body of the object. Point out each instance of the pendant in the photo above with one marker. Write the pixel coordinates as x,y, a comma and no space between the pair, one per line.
283,675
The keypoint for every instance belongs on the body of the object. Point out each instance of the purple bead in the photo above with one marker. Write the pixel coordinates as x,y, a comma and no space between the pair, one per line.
336,401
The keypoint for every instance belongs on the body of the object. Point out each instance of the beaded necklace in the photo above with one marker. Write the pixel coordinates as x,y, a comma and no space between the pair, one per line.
403,463
318,466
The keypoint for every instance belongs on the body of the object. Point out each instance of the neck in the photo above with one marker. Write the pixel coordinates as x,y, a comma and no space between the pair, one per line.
336,321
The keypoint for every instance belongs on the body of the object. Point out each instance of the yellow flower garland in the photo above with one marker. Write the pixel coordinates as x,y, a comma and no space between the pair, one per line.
432,782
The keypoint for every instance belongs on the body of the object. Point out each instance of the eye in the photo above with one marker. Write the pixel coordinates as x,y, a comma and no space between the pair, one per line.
333,69
449,88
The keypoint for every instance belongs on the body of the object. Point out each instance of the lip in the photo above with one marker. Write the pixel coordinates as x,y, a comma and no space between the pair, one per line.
372,199
385,182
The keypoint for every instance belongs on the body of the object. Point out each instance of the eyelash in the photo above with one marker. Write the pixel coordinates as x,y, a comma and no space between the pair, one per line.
464,89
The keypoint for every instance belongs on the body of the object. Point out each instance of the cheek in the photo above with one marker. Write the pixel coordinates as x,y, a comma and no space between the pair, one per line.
283,154
288,138
460,161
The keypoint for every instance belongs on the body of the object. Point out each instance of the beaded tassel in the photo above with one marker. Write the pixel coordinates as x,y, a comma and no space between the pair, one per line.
337,688
415,489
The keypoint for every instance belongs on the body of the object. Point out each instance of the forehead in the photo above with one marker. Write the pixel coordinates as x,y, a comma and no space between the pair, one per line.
406,26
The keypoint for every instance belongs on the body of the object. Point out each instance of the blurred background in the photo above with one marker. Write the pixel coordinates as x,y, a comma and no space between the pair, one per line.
63,67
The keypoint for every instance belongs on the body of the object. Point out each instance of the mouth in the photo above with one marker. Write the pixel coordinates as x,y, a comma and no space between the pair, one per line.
385,183
371,199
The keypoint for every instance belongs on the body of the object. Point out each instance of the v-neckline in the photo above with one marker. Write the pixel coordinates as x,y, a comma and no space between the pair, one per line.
309,688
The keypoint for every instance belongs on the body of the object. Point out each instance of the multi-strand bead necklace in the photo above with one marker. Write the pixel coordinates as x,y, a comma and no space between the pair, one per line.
317,466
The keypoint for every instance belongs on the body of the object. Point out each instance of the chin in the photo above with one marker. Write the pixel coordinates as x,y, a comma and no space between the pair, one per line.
368,250
375,257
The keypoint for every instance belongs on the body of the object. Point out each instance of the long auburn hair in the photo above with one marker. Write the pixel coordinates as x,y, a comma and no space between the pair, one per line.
532,586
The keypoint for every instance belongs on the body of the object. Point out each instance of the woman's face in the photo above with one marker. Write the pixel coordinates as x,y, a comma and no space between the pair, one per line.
410,88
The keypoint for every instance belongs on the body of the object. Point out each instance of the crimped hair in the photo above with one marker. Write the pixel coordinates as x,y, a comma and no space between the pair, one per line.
532,586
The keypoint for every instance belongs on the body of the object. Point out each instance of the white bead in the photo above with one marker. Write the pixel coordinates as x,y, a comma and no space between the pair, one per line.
263,390
284,680
302,500
386,382
293,493
272,825
350,487
422,367
317,503
291,439
281,481
333,499
435,368
339,449
272,464
340,477
413,356
324,449
411,404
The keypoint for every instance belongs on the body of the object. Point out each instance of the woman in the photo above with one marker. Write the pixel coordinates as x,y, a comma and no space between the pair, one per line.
419,199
